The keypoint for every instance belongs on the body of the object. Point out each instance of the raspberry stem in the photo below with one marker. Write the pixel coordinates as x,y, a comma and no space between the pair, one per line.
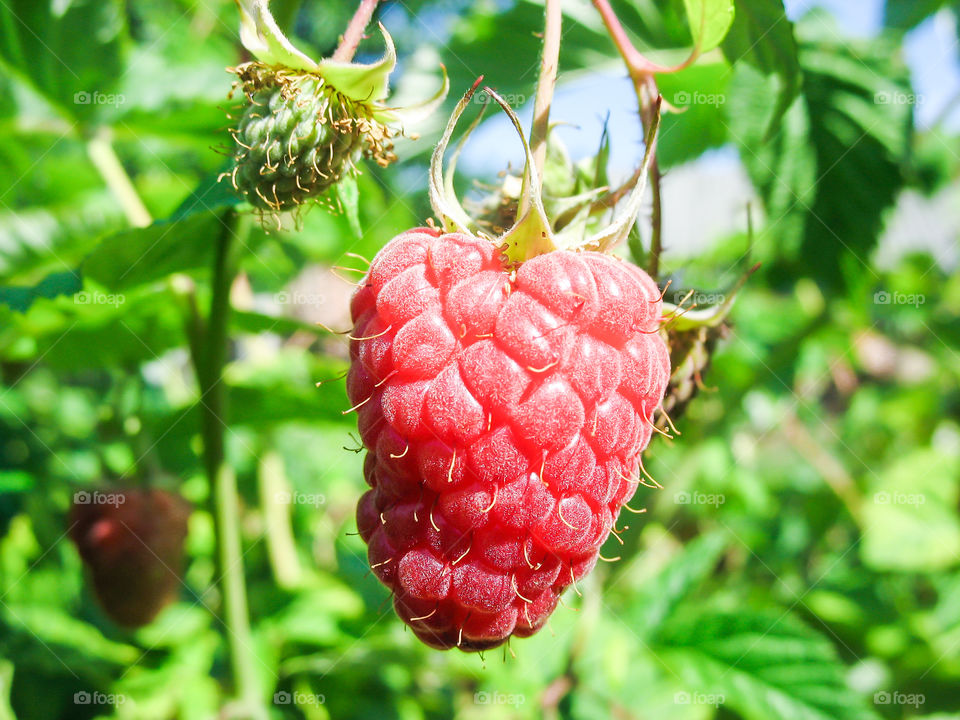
549,63
209,362
641,72
354,32
105,159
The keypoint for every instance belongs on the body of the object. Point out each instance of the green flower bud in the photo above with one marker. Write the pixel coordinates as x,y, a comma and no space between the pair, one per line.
298,136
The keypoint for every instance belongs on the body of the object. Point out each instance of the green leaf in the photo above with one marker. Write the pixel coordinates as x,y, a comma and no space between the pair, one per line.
909,519
96,329
144,255
70,52
197,123
480,36
182,243
700,92
254,322
761,36
675,582
709,22
211,195
299,622
182,685
907,14
6,681
761,665
852,122
35,242
70,641
16,481
47,167
20,298
862,119
783,170
261,406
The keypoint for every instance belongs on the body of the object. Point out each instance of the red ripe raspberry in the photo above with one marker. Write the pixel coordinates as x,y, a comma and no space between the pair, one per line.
504,414
132,544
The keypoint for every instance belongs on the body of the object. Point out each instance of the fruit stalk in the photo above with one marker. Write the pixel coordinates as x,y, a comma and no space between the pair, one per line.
223,484
546,83
354,31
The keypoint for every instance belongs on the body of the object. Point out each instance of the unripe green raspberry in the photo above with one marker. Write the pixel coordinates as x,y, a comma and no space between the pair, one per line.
298,136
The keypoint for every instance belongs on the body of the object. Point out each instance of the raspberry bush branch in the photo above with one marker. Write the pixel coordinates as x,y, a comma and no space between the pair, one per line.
656,215
641,73
707,29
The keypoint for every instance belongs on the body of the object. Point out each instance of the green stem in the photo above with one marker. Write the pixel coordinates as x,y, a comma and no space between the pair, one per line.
656,221
275,502
104,158
354,32
642,73
549,62
211,358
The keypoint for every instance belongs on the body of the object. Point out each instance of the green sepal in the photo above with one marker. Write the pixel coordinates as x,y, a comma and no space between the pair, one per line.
617,231
712,316
415,113
443,199
364,83
261,35
532,234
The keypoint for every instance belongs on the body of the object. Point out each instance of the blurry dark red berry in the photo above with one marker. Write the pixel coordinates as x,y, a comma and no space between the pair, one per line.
131,542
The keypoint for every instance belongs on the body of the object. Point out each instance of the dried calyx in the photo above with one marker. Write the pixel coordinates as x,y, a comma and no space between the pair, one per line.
692,333
306,122
567,219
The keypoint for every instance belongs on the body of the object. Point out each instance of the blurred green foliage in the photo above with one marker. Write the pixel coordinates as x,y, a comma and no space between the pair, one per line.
800,562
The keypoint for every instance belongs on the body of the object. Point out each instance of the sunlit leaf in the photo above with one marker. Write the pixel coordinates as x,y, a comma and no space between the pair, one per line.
709,21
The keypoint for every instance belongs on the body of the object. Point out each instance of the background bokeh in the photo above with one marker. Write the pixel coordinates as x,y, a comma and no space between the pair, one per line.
801,560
